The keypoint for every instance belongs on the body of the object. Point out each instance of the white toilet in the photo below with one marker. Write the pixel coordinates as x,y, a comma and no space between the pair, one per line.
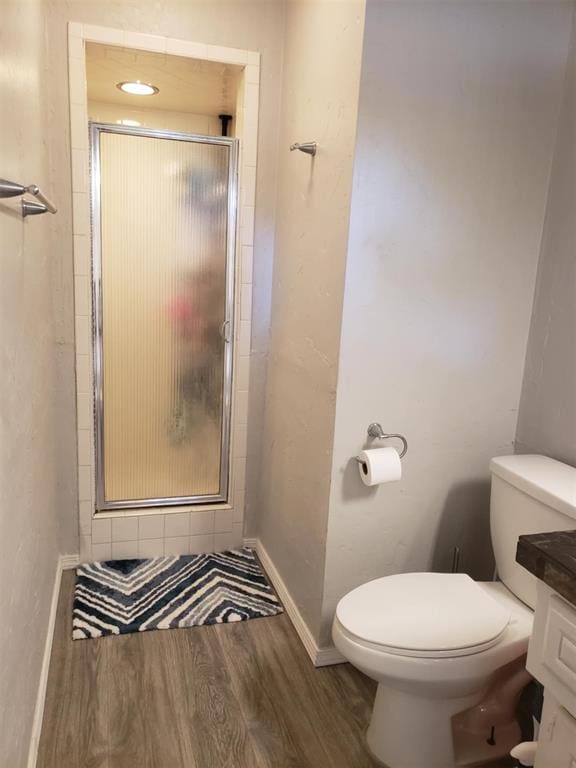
434,642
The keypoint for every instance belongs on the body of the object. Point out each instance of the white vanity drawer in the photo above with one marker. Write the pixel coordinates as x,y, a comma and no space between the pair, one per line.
559,648
557,742
552,649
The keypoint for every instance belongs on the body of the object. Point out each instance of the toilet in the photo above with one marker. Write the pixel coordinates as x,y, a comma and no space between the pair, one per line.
435,642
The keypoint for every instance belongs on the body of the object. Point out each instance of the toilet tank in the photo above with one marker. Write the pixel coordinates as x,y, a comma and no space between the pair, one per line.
530,494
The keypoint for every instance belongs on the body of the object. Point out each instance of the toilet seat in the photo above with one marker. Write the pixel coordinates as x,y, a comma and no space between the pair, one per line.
425,615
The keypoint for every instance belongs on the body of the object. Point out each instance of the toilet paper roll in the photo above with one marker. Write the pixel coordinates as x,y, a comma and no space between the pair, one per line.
379,465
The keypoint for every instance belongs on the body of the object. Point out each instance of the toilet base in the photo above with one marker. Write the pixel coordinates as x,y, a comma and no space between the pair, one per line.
407,731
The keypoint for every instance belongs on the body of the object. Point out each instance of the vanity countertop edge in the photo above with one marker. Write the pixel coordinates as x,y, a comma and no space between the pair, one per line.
551,557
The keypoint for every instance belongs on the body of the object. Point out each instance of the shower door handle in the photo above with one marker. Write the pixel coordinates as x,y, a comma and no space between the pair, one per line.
225,331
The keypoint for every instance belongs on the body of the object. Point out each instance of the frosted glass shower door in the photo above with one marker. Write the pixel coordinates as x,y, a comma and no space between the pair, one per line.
163,234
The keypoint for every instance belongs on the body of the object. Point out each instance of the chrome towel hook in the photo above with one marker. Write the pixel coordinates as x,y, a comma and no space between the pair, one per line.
376,432
309,147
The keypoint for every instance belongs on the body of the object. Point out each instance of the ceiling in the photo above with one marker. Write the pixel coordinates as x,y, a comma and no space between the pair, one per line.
186,85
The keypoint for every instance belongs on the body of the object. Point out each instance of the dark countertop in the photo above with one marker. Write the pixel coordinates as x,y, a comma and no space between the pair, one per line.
551,557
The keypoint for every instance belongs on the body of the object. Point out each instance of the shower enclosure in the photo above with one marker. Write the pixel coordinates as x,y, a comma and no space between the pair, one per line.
163,232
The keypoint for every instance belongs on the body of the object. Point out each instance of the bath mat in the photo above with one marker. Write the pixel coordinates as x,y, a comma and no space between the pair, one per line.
116,597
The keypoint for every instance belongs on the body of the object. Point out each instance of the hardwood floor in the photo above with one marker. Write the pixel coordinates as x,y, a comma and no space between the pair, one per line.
230,696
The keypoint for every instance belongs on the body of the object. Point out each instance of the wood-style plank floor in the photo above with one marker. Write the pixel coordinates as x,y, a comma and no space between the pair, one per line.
231,696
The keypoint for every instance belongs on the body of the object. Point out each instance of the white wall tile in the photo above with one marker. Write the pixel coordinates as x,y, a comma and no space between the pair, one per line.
83,335
124,550
101,530
250,118
201,522
239,446
251,98
239,474
247,217
247,262
79,170
85,548
246,302
124,529
246,236
145,42
151,527
223,519
242,372
84,483
81,211
186,48
252,74
177,545
75,47
99,34
178,533
226,55
253,57
250,149
151,548
176,524
83,374
82,297
84,410
75,29
239,501
248,184
223,541
85,513
200,544
77,76
85,455
237,535
101,552
244,337
81,255
79,127
241,407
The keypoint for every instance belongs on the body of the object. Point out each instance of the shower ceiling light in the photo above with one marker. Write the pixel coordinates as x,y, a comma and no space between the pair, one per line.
137,88
132,123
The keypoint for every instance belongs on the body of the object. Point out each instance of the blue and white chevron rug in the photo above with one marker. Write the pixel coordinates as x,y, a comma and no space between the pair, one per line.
116,597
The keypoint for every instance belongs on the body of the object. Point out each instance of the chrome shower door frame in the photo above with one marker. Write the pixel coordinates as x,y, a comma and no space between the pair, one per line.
97,325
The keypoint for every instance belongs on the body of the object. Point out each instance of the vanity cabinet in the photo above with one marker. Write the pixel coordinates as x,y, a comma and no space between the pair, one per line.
552,661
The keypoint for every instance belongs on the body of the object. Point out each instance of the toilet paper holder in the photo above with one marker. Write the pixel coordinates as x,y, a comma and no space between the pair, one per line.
376,432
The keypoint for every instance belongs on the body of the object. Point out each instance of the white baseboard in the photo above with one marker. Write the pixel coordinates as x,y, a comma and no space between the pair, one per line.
69,561
320,657
64,562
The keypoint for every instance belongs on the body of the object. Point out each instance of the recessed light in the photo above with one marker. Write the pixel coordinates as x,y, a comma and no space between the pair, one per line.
137,88
133,123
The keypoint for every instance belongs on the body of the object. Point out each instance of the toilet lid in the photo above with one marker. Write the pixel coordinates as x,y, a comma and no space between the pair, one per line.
423,613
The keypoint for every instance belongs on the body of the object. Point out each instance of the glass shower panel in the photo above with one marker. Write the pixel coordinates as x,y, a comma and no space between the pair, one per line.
163,230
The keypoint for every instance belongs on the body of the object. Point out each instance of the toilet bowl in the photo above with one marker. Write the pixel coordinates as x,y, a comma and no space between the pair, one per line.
432,642
443,645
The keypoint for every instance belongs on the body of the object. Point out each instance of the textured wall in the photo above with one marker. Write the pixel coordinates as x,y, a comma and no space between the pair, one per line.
37,475
547,418
37,401
457,117
319,97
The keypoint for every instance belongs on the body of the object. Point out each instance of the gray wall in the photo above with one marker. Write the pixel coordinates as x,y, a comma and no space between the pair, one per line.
547,419
37,442
322,54
459,105
38,499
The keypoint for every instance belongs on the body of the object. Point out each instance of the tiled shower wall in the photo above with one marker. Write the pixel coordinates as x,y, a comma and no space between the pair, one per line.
146,533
